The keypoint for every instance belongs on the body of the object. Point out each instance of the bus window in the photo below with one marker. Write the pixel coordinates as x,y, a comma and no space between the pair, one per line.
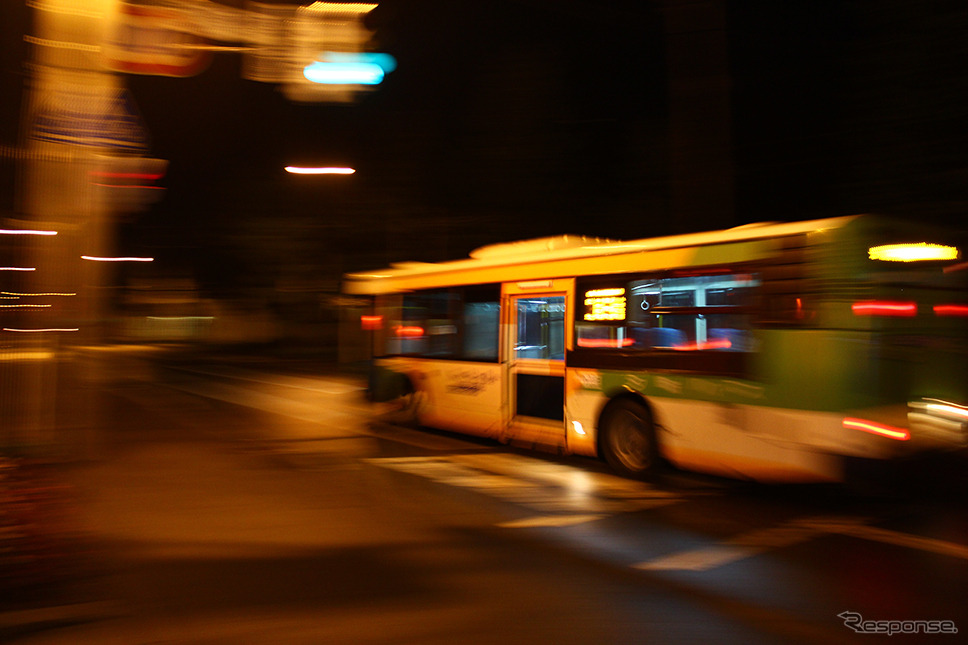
427,327
460,323
541,328
671,312
481,318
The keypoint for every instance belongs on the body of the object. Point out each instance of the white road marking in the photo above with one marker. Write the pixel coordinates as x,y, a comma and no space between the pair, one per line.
572,479
794,532
550,520
560,503
736,548
697,559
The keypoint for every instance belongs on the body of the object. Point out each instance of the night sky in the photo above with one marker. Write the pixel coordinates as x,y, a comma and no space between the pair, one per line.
511,119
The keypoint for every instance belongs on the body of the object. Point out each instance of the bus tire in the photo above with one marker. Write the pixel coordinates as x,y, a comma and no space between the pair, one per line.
411,404
628,442
405,406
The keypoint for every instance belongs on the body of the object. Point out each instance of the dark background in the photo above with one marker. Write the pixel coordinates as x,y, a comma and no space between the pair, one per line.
512,119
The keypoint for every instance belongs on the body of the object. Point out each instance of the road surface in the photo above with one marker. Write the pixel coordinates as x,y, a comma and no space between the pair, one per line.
234,502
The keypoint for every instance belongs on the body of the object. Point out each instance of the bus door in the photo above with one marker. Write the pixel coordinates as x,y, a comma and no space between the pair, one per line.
537,340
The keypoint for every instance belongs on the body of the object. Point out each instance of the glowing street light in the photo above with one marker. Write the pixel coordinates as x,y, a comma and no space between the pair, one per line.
7,231
95,258
330,170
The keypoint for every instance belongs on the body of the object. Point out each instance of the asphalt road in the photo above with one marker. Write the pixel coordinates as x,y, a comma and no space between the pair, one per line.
233,502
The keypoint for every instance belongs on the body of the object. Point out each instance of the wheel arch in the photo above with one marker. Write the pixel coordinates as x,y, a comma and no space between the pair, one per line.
624,394
389,383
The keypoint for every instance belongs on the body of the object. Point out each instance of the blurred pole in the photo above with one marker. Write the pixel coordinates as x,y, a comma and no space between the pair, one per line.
71,120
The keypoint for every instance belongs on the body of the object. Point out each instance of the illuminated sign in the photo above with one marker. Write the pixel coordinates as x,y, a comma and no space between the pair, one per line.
344,73
342,68
153,40
605,304
915,252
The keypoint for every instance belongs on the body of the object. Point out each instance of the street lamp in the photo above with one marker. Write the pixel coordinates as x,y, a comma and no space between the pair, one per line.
303,170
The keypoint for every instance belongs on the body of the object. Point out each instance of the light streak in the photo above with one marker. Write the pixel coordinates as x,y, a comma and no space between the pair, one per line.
341,7
951,409
18,268
49,329
179,318
884,308
950,310
14,293
119,259
324,170
915,252
722,343
606,342
24,231
129,175
128,186
879,429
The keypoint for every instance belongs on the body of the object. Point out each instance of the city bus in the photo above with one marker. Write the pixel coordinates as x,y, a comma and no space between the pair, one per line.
776,352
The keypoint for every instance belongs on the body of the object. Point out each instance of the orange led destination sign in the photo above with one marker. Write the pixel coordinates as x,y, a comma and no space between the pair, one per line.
605,304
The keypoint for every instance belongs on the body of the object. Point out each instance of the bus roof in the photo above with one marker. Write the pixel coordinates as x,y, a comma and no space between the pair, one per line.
570,256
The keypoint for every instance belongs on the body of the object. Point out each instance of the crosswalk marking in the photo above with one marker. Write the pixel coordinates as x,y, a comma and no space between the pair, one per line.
571,479
736,548
563,495
697,559
550,520
794,532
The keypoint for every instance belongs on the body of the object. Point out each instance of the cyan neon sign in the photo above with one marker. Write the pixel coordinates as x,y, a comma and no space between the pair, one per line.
344,68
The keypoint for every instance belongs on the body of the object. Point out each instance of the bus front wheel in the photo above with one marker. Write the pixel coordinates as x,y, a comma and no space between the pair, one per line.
628,439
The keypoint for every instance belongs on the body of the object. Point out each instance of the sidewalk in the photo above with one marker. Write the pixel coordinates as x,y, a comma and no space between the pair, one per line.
184,530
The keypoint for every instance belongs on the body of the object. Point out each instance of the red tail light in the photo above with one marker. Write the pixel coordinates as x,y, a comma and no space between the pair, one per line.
722,343
884,308
880,429
371,322
951,310
606,342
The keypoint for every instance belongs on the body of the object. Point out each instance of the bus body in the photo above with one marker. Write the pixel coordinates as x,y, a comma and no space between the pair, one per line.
772,351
